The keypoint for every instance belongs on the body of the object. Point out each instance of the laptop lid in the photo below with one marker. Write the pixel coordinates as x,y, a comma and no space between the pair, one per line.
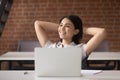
57,61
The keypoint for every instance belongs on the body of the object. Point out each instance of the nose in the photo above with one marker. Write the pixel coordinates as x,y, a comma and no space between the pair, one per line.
63,27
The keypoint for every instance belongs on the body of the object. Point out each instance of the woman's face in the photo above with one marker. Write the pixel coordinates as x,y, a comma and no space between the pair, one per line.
66,29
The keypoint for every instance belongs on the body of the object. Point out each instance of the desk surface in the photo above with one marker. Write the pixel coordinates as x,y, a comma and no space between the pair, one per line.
29,75
104,56
17,56
30,56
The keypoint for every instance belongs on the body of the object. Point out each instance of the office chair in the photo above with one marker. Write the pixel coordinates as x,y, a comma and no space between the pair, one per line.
26,46
100,65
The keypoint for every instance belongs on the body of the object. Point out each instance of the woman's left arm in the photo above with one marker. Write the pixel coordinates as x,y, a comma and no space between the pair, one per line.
98,34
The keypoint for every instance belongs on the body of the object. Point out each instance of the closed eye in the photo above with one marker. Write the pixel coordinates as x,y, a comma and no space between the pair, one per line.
60,25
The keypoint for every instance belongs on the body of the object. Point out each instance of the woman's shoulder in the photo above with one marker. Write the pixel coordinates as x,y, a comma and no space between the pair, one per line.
50,44
80,45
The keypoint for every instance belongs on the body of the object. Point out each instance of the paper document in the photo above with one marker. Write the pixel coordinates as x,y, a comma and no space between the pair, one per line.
90,72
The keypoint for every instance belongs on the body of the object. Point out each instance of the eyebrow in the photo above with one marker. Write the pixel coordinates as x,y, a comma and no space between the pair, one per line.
67,24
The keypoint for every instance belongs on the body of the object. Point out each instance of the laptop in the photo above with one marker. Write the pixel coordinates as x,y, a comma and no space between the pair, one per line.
58,62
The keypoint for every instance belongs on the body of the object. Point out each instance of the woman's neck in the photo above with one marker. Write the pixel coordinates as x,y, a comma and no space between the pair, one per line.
66,42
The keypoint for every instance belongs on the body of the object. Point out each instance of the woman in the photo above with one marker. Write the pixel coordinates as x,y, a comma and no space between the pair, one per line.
70,31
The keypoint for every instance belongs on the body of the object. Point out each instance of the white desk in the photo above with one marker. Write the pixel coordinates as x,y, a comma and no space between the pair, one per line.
16,56
106,56
29,75
29,56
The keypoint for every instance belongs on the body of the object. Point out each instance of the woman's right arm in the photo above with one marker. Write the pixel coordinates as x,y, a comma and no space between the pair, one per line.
99,34
41,27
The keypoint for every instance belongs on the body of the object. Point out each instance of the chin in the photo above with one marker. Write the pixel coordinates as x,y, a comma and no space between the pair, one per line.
62,37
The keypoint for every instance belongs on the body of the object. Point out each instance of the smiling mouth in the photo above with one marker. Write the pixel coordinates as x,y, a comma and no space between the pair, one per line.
63,33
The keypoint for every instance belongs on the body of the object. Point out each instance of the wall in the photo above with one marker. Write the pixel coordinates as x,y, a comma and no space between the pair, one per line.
98,13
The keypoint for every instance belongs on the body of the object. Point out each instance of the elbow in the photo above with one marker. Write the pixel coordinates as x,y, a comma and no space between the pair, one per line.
103,33
36,23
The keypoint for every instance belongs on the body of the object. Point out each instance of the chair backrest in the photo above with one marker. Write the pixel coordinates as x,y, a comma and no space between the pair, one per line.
27,45
103,47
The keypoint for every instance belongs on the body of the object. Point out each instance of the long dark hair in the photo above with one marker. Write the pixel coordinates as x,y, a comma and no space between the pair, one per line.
77,22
